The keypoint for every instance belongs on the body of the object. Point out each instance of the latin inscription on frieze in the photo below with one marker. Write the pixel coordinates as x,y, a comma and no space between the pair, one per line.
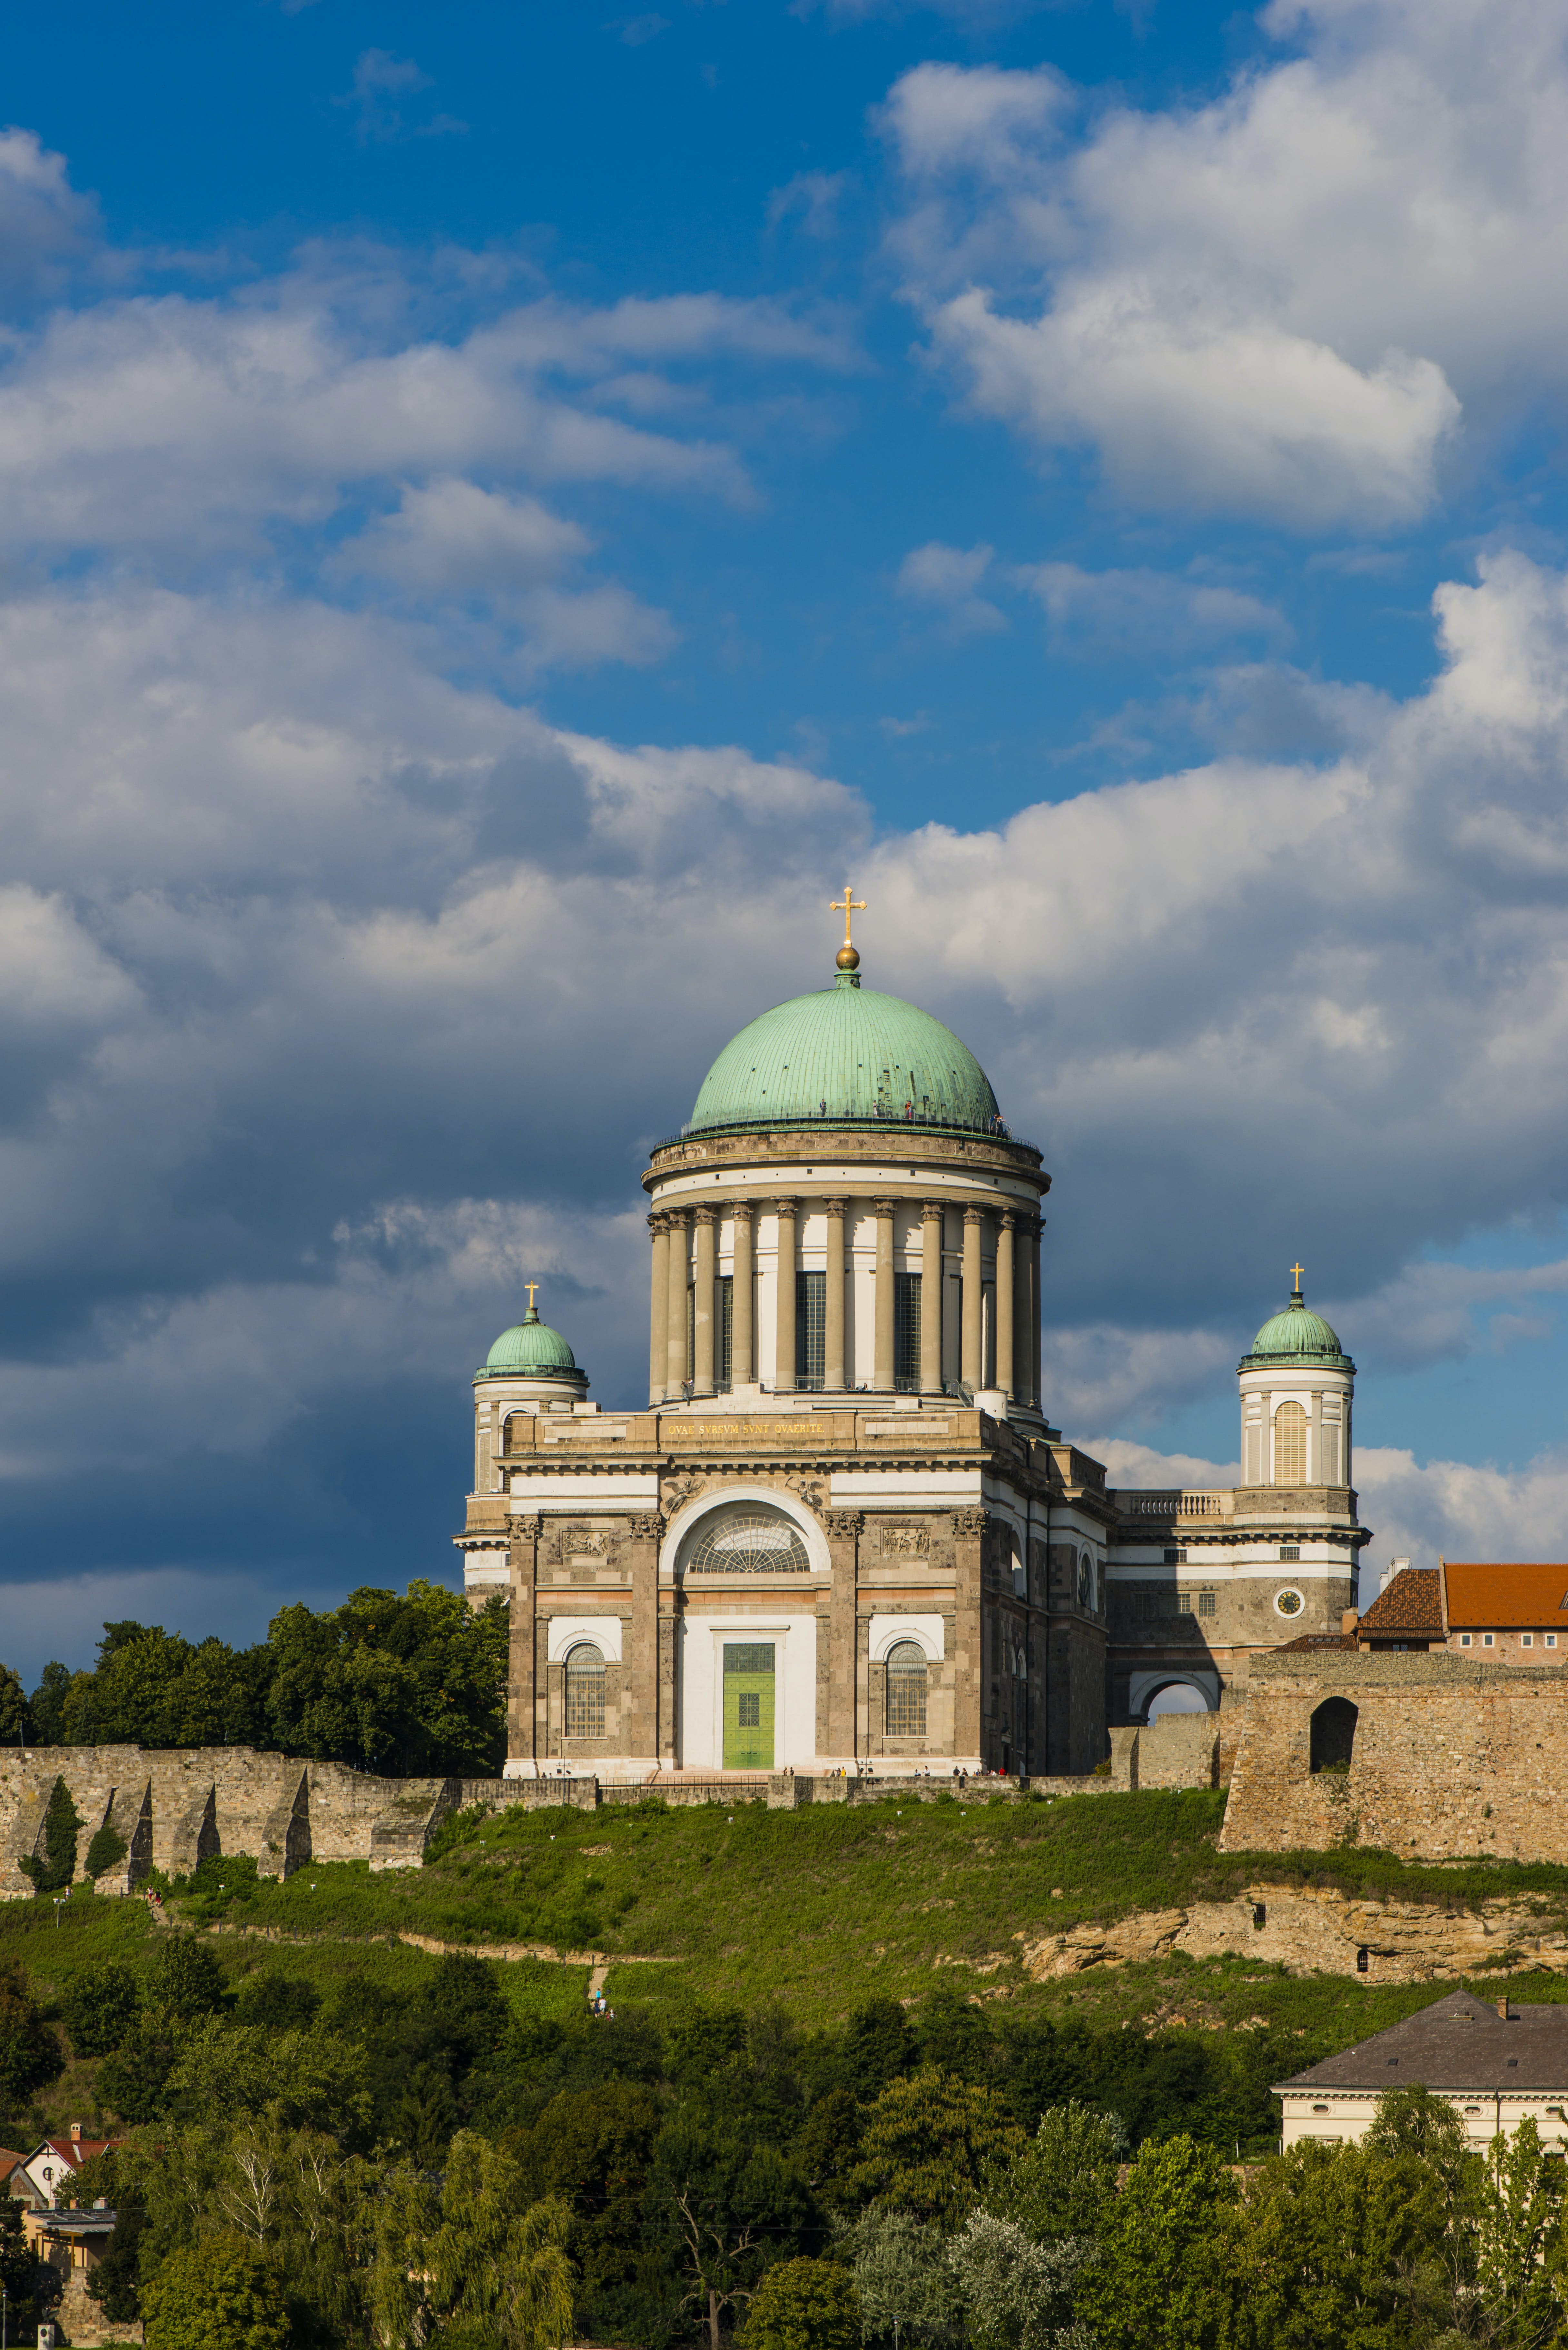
796,1429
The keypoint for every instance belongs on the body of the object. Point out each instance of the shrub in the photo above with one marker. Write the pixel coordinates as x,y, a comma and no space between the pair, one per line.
219,2291
803,2304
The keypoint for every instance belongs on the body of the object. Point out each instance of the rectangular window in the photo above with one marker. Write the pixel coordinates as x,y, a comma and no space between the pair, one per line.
585,1703
1206,1603
906,1332
748,1710
1487,1641
724,1332
1464,1639
1176,1558
1551,1640
1290,1550
1526,1641
810,1328
905,1702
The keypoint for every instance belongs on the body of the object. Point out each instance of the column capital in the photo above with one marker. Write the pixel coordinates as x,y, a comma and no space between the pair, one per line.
1011,1219
971,1521
837,1206
932,1212
656,1220
886,1207
525,1528
843,1525
974,1215
705,1215
677,1219
645,1529
743,1210
787,1206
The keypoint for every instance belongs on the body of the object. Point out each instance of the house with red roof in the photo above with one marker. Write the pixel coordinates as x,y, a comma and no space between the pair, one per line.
42,2180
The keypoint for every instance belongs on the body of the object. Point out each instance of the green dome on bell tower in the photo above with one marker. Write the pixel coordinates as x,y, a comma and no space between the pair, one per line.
1297,1336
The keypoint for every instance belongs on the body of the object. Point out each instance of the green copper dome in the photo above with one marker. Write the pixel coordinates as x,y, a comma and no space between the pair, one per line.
530,1349
845,1056
1297,1336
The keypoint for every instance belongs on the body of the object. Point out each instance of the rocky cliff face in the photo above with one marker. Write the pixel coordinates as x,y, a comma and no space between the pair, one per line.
1314,1931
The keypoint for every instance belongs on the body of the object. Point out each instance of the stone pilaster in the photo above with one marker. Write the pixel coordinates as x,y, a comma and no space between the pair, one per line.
833,1317
743,1328
882,1372
676,1373
784,1280
1005,1301
522,1563
659,1309
838,1705
969,1600
931,1221
643,1535
703,1271
970,1368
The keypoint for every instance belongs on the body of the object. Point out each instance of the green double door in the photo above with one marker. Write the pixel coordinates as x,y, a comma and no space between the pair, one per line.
749,1706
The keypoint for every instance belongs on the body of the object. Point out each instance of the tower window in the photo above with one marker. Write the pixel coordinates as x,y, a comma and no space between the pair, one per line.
585,1691
1176,1558
810,1328
1290,1445
907,1680
1290,1550
906,1331
1206,1603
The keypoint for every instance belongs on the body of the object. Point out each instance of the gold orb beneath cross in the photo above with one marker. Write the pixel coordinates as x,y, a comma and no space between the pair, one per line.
849,958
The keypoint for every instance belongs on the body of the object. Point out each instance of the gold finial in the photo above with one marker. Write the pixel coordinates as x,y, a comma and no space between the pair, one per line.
1296,1271
848,955
531,1286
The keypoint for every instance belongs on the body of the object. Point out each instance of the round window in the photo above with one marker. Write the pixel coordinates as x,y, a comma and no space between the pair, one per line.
747,1538
1288,1602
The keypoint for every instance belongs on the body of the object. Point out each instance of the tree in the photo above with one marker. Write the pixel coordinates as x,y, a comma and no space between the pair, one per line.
1330,2243
100,2004
1063,2181
803,2304
13,1708
185,1978
1519,2208
878,2047
132,2080
724,2207
1161,2280
412,1684
1020,2293
907,2285
928,2141
116,2284
18,2266
30,2054
219,2291
59,1864
47,1707
477,2253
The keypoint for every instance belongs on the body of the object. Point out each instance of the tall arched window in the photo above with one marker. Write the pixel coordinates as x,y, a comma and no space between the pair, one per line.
906,1690
585,1691
1332,1735
1290,1445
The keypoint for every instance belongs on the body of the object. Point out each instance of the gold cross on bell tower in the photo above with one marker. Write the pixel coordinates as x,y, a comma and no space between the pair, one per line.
531,1286
848,955
1296,1271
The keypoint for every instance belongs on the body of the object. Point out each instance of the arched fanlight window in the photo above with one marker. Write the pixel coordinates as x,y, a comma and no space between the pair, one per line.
906,1690
1290,1445
585,1691
748,1538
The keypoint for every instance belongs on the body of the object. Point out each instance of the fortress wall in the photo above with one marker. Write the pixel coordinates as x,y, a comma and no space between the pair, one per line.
1451,1759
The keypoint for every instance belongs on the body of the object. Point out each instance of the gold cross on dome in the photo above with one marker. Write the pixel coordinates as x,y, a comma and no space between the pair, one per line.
1296,1275
531,1286
849,906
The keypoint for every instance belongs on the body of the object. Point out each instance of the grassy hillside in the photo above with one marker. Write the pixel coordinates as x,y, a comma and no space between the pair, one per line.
818,1909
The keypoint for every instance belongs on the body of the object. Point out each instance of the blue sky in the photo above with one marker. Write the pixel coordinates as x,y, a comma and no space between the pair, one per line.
502,508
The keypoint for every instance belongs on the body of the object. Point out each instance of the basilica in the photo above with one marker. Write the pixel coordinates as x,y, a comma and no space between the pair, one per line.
843,1533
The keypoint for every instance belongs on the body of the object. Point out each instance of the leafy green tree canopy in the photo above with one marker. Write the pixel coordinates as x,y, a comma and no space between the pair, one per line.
30,2054
1163,2280
222,2291
927,2142
803,2304
100,2005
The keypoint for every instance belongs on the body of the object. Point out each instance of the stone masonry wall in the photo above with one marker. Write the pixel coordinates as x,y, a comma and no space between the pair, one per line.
1450,1760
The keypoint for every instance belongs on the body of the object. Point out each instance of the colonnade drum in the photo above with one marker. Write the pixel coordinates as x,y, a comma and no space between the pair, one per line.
843,1290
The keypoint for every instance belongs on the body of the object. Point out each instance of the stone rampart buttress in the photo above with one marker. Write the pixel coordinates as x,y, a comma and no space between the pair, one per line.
1448,1760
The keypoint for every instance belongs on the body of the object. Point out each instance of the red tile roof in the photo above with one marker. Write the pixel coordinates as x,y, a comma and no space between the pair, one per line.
1410,1605
1502,1598
1315,1641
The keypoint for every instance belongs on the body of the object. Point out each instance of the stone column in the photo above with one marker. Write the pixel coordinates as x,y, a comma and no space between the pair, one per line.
522,1561
932,1297
678,1220
702,1292
1005,1283
1023,1351
836,1719
882,1370
741,1342
971,1369
969,1598
1034,1255
784,1351
640,1672
833,1320
658,1343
